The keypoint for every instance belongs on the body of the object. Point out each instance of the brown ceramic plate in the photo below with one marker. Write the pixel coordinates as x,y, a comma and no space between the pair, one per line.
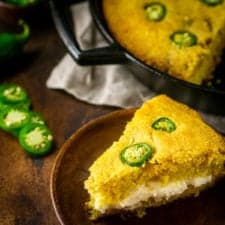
71,169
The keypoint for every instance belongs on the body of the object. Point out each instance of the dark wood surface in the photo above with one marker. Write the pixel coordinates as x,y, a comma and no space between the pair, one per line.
24,182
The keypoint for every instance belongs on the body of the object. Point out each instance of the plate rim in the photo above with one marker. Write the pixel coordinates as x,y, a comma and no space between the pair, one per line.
65,146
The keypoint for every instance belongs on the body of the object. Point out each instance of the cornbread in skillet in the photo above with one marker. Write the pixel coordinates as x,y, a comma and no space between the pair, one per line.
165,152
185,38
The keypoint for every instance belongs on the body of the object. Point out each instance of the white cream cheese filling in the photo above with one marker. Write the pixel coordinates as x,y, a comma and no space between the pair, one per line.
156,190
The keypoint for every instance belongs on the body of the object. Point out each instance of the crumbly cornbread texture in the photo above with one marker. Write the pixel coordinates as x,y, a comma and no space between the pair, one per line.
150,40
192,150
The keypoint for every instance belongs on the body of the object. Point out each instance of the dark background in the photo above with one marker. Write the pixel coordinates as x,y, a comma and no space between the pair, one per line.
24,182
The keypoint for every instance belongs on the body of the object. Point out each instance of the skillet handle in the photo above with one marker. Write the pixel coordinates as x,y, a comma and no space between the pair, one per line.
64,25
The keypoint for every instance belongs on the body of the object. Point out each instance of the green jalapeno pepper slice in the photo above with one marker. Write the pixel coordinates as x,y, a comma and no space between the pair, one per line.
36,118
164,124
155,11
184,38
212,2
3,106
36,139
23,105
136,155
14,130
12,94
12,119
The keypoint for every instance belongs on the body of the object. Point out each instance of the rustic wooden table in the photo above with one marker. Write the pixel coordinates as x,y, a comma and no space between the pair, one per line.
24,182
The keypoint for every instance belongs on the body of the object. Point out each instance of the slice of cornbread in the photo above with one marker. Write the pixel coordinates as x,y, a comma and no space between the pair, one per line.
166,152
198,24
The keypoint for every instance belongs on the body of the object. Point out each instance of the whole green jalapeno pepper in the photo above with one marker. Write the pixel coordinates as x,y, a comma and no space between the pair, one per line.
11,44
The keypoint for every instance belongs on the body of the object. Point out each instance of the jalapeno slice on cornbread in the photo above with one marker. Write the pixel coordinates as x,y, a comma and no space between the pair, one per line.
184,38
164,124
212,2
155,11
136,154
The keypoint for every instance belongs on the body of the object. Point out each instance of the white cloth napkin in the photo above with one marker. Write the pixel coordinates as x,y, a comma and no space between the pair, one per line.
111,85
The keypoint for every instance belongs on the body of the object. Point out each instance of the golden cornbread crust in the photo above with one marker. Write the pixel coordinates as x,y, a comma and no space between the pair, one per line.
193,150
150,40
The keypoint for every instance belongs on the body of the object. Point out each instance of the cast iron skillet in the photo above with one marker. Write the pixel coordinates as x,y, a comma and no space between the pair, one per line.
209,99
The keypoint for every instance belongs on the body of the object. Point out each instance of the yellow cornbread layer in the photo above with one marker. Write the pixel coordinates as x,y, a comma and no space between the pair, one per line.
150,40
192,150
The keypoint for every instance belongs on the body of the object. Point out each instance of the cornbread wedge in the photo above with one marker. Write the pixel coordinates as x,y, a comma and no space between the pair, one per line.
184,38
165,152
